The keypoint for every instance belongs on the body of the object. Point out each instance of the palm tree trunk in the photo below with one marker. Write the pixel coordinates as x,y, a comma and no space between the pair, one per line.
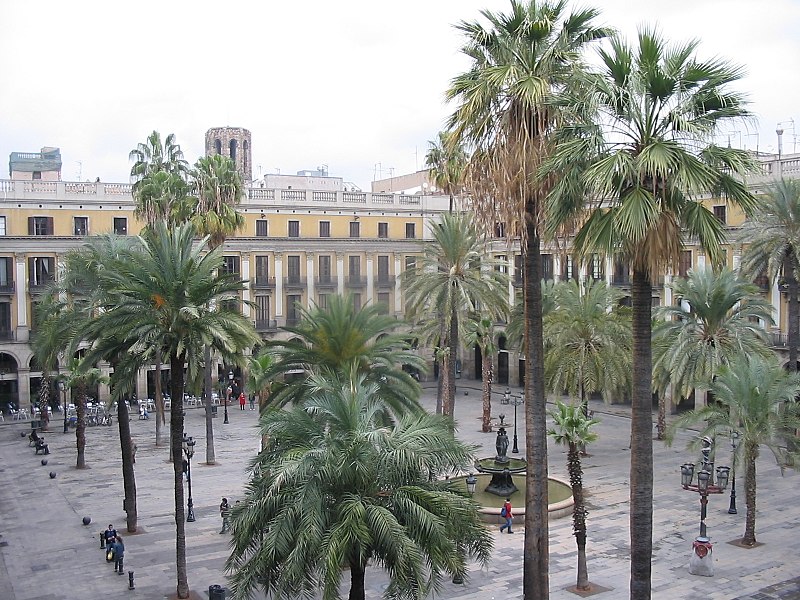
128,474
578,513
486,371
452,339
356,582
661,424
211,458
44,400
750,455
641,479
160,417
176,438
536,559
80,426
793,333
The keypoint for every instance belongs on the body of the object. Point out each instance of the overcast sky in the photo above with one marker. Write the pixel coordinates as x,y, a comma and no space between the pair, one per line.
357,85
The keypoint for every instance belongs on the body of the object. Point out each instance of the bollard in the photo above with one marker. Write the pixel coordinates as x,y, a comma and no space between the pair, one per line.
130,581
102,540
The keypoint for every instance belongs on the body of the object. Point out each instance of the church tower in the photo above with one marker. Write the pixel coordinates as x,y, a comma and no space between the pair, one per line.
233,142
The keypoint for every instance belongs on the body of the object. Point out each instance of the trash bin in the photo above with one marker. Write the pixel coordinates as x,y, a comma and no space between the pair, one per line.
217,592
214,410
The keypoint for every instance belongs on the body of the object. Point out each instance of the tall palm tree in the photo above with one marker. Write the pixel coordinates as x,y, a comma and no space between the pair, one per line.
506,112
337,336
661,107
217,192
336,487
572,428
455,276
717,318
446,161
772,238
589,341
260,381
480,332
160,297
154,156
80,378
755,398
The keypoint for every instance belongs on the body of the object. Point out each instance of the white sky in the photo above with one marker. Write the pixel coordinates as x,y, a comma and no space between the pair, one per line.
357,85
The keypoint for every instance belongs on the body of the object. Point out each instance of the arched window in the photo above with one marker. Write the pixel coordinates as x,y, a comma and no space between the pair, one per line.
218,146
233,150
245,154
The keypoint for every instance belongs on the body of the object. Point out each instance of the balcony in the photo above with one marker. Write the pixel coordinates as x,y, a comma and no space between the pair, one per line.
263,283
326,281
266,325
7,287
385,281
777,340
38,287
293,321
7,335
294,282
355,281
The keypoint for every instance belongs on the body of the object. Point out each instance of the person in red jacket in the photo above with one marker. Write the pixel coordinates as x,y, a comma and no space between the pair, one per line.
506,512
242,401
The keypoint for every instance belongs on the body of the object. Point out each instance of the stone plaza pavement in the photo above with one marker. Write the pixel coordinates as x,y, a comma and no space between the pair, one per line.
47,554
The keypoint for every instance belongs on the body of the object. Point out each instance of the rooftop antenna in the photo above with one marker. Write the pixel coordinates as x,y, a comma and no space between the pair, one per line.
747,135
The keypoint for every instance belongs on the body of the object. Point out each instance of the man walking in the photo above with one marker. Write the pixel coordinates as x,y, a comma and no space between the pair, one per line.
506,512
119,554
225,513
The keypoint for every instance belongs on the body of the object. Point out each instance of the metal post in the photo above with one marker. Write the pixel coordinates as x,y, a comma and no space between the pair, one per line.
703,504
64,395
734,439
515,448
188,449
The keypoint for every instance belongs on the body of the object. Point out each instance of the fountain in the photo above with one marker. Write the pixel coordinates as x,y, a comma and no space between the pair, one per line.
501,467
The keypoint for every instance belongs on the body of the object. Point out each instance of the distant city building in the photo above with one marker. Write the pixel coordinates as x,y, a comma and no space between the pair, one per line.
27,166
233,142
411,183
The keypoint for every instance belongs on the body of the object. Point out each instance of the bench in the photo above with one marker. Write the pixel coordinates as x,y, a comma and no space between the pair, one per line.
41,446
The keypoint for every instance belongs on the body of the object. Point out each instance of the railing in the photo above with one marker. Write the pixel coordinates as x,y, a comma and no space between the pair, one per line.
260,194
385,280
7,335
355,281
383,198
324,197
262,283
325,281
266,325
778,340
354,197
292,321
7,288
293,195
294,282
38,288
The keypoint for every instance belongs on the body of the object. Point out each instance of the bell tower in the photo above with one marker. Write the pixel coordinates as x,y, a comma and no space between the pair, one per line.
233,142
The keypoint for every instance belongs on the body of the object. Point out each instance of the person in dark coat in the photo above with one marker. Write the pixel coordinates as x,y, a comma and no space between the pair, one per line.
119,555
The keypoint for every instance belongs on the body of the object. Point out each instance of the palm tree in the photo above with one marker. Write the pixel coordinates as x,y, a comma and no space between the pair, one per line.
717,318
446,161
336,488
260,381
589,340
506,112
160,197
572,428
161,296
218,190
153,156
661,107
455,276
336,336
480,332
772,238
755,398
79,378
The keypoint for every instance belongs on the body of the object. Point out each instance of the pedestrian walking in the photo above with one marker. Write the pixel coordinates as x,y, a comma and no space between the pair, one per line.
119,555
252,401
508,515
242,401
225,513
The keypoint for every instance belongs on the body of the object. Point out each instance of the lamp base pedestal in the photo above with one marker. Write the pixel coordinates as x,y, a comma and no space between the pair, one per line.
702,560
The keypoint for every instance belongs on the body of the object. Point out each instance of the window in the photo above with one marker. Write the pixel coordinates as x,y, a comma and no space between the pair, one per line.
293,269
322,301
355,229
357,301
294,229
354,267
41,270
5,321
383,230
218,146
80,225
262,270
721,213
324,269
37,175
499,230
597,267
262,309
383,301
324,229
518,271
121,225
411,263
411,231
383,269
230,265
232,147
2,225
685,264
502,267
292,312
40,225
261,228
6,273
567,268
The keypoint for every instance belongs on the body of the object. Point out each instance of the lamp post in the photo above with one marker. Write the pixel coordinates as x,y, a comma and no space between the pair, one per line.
734,443
227,395
702,544
188,450
63,389
516,401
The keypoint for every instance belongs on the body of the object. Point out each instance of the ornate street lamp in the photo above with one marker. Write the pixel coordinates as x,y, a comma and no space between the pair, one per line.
704,486
227,395
472,481
734,443
63,389
188,450
516,401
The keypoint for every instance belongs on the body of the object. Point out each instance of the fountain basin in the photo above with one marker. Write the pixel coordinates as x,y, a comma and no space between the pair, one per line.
559,495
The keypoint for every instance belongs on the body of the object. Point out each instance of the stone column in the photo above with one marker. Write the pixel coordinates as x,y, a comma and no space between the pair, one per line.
278,286
246,291
398,302
21,282
340,273
370,279
310,278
